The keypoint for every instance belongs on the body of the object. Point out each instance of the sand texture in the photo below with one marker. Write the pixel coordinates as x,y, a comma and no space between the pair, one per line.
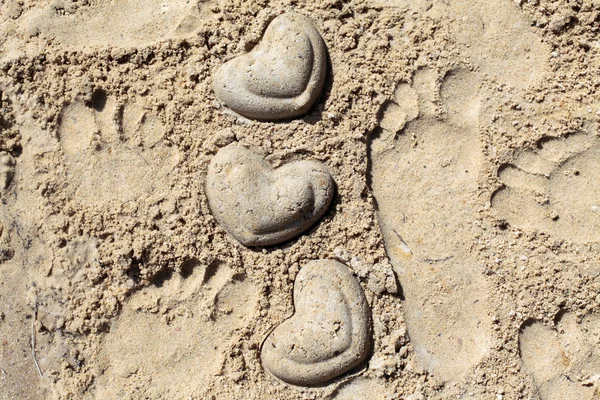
344,200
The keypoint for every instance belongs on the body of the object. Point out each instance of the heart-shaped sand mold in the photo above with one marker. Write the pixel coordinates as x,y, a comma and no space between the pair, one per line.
261,206
330,331
281,77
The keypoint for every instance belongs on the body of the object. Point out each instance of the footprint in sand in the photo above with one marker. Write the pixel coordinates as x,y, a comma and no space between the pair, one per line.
113,151
175,333
554,188
121,24
495,35
424,170
564,362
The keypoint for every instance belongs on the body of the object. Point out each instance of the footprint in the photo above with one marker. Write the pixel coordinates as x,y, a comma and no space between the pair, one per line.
564,363
500,39
281,77
168,332
261,206
554,188
424,171
122,24
113,152
495,35
330,331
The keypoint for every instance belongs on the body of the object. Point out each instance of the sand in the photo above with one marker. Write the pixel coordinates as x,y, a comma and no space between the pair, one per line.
463,139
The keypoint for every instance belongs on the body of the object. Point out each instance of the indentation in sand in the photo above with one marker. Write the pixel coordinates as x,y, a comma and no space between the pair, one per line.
493,34
554,188
183,325
114,152
123,23
424,178
564,362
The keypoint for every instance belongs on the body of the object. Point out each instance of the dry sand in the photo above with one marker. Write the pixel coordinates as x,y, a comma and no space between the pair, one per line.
463,137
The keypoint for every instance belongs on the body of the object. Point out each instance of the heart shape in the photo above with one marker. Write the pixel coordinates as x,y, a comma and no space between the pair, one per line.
261,206
281,77
330,331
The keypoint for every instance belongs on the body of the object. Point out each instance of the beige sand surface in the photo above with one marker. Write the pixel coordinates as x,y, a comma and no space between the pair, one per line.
464,140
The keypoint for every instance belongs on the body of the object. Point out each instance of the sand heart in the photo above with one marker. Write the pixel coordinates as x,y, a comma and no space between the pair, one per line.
261,206
330,331
281,77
